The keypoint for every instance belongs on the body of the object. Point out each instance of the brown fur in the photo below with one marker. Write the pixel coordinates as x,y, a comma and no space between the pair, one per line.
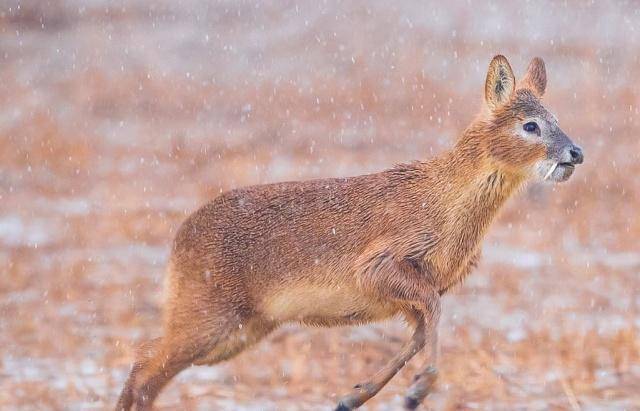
341,251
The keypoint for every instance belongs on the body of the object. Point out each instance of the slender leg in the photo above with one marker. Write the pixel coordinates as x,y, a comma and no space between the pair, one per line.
157,362
400,283
364,391
144,354
425,378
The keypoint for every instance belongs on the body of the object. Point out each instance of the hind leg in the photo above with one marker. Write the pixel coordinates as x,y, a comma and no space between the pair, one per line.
159,360
243,337
156,363
144,354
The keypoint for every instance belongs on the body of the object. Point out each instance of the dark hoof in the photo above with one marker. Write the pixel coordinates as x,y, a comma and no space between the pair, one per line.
411,403
431,370
342,407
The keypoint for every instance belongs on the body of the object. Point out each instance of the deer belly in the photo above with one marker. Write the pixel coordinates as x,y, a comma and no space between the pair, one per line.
325,306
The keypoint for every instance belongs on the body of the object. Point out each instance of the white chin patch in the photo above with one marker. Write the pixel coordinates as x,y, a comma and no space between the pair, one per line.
551,170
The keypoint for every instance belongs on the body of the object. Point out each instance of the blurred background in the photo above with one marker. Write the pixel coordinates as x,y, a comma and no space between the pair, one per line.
119,118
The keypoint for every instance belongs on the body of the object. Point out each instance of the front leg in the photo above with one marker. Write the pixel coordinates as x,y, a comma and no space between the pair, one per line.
398,281
425,378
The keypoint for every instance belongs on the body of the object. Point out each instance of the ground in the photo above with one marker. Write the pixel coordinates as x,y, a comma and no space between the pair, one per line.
119,118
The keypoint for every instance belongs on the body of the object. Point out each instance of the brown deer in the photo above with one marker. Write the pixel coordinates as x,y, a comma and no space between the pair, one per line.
346,251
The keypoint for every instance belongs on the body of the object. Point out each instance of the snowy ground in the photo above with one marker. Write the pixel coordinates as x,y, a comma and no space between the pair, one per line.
119,118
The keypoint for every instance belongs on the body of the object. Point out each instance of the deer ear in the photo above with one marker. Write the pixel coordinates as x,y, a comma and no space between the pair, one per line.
500,82
536,77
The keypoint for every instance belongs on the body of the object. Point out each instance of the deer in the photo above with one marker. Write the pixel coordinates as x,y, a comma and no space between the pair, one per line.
351,251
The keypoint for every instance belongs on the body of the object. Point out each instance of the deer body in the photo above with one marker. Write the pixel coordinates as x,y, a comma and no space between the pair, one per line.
341,251
315,240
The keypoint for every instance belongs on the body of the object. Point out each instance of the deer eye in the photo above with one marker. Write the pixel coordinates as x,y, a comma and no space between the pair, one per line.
531,127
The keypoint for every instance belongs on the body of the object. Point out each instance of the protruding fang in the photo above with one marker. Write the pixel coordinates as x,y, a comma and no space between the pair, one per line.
551,170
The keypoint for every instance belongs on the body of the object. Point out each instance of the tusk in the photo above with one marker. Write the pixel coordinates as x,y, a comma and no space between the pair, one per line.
551,170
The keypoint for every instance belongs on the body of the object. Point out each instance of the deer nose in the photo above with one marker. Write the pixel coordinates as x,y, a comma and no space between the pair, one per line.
576,155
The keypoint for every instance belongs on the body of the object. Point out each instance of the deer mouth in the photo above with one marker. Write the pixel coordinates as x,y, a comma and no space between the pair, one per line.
563,171
560,172
567,165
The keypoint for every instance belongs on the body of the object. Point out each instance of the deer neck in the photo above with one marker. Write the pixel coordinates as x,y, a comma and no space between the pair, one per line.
473,189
